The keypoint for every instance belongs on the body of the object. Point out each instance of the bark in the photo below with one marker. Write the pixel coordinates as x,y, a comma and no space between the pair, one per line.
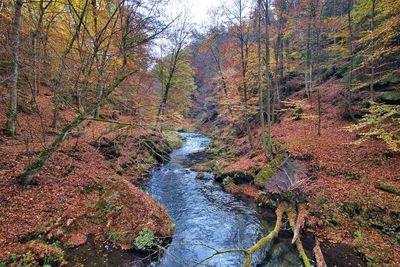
372,78
301,216
168,84
319,257
291,213
244,59
12,110
259,81
308,56
263,241
35,37
351,55
268,78
100,81
180,36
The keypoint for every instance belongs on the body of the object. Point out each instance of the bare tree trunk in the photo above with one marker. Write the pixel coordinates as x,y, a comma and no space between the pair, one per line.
168,84
268,78
244,59
12,111
259,78
62,67
35,37
308,59
372,77
351,55
179,38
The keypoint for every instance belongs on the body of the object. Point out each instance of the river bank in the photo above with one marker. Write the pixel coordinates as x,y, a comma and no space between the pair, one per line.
83,192
344,205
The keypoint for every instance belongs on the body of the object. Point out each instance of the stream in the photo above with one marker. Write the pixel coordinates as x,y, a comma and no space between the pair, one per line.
206,218
205,214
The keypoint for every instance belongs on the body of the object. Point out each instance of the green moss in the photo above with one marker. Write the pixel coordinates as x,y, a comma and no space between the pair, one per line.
31,236
297,112
173,139
390,96
388,188
145,239
265,174
92,187
352,209
117,236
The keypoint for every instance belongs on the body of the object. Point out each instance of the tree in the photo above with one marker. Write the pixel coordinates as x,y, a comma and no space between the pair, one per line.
268,77
12,110
178,37
36,35
63,64
259,77
134,41
237,18
351,64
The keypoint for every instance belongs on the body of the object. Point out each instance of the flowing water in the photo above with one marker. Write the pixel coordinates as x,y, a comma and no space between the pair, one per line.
205,216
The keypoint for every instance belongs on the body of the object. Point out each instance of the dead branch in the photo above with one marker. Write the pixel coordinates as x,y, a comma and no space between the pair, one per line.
319,257
301,216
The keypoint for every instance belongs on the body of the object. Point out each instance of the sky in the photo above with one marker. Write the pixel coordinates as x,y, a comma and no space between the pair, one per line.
198,8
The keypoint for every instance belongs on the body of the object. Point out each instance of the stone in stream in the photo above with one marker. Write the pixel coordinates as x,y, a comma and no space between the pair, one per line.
200,175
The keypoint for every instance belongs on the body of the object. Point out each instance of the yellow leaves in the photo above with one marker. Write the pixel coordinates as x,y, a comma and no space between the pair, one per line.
382,121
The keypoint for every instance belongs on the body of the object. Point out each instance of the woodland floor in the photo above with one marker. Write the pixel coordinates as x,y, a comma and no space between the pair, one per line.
84,190
81,191
344,205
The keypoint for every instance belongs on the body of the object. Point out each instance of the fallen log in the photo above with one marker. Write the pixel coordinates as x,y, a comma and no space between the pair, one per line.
319,257
263,241
387,188
291,213
301,216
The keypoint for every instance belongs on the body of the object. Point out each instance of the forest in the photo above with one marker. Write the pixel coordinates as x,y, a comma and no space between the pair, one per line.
190,133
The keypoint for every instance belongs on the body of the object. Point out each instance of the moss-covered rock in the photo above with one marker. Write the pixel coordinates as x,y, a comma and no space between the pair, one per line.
237,177
36,253
173,139
390,97
297,112
265,174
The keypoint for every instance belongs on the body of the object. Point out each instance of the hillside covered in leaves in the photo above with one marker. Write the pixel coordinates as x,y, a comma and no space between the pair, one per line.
301,100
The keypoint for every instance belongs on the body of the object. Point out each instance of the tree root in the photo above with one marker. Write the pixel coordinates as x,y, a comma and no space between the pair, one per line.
263,241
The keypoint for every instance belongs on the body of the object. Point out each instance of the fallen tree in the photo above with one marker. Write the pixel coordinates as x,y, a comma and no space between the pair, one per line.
388,188
263,241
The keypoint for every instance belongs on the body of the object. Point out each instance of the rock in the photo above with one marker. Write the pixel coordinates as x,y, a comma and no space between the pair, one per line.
282,178
200,175
236,176
390,97
265,174
69,222
76,240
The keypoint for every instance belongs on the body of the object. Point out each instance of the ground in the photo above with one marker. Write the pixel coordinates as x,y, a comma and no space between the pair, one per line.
343,203
85,189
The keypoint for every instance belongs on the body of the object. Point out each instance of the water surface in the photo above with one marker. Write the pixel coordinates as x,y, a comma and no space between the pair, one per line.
204,214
